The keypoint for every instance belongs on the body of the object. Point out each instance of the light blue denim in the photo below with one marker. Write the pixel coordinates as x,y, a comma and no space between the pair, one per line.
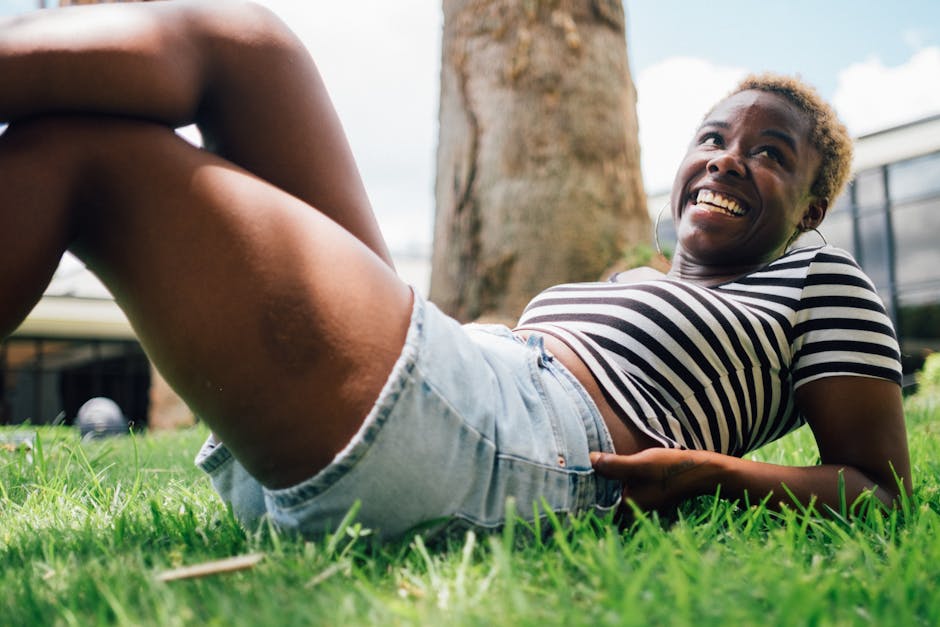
470,416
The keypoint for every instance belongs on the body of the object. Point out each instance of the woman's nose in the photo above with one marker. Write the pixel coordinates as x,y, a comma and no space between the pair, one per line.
726,162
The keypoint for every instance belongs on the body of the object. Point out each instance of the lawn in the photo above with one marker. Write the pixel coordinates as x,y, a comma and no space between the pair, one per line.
88,530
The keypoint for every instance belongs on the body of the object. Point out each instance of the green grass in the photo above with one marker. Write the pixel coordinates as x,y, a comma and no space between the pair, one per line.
86,528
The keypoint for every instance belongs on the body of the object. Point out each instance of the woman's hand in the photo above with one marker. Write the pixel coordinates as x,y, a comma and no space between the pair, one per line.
658,479
859,428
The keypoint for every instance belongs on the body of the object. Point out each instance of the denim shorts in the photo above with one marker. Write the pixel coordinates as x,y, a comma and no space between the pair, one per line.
470,417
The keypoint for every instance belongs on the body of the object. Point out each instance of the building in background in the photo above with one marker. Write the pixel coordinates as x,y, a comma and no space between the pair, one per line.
76,344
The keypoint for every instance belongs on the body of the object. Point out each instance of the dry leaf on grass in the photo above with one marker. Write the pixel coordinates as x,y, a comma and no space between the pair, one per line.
215,567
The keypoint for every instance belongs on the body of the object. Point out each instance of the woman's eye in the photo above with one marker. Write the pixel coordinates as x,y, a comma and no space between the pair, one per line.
772,153
710,140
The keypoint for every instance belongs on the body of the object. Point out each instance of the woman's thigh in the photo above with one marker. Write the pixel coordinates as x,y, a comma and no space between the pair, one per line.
275,324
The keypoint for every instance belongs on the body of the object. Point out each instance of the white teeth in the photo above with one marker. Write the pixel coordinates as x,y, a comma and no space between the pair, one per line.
719,203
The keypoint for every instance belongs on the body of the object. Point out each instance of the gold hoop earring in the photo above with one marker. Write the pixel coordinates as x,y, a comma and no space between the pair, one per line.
659,218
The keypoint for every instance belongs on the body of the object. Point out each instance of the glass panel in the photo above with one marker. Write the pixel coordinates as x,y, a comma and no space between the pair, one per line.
843,204
837,229
914,178
917,251
29,395
874,245
869,190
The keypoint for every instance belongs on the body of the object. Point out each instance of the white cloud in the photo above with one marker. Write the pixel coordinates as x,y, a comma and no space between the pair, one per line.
672,97
915,38
871,96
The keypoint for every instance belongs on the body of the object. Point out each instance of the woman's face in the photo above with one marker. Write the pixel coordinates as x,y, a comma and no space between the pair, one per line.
744,185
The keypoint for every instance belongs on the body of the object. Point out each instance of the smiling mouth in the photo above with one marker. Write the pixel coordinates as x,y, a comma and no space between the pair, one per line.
718,203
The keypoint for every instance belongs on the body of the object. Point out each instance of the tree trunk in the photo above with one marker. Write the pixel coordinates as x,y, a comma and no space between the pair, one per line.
538,164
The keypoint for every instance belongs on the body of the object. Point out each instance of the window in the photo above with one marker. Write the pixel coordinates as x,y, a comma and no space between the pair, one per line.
917,249
914,178
45,381
873,244
869,190
837,227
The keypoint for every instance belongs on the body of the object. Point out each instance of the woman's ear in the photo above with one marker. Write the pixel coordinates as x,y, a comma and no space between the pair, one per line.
814,214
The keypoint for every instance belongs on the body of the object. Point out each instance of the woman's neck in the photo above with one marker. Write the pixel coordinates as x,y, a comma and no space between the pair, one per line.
688,269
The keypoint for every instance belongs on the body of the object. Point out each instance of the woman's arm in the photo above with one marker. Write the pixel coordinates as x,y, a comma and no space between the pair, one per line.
859,427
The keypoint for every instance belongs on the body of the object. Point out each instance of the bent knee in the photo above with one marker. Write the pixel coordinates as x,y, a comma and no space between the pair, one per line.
244,29
53,142
88,154
79,136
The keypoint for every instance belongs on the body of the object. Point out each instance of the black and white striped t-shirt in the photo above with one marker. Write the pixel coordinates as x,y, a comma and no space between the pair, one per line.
715,367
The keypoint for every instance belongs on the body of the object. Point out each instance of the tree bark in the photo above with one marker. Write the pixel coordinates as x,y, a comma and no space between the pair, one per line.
538,163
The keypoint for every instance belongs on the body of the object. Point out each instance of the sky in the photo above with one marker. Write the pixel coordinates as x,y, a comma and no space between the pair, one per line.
877,62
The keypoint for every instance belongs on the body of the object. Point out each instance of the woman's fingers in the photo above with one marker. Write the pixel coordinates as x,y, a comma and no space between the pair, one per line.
654,478
645,465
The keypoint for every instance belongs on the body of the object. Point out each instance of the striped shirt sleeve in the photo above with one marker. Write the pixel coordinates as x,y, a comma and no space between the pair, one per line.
842,327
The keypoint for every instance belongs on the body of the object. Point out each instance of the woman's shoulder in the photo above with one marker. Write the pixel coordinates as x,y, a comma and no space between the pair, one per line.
637,275
831,270
822,258
830,259
834,253
813,268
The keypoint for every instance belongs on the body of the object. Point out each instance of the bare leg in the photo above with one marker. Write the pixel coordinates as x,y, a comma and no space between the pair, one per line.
275,324
233,68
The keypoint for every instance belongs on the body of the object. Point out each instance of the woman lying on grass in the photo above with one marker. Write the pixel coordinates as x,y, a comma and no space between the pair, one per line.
256,278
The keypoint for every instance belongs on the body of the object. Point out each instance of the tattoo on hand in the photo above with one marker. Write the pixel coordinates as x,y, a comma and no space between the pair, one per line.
675,470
